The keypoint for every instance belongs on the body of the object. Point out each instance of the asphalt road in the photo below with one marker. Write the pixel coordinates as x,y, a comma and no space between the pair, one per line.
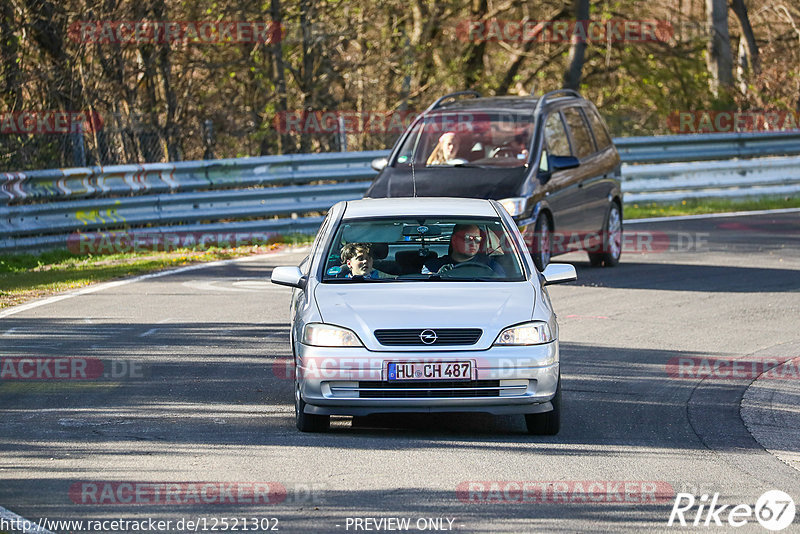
197,392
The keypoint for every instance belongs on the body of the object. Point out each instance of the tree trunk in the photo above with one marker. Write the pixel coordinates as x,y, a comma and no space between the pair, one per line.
307,72
719,59
280,76
9,56
169,133
747,31
577,51
473,66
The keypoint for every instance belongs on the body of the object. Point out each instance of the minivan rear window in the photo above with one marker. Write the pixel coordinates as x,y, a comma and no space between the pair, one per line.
599,129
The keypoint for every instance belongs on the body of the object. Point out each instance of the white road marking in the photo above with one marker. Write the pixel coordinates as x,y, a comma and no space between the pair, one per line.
711,215
253,284
246,286
153,330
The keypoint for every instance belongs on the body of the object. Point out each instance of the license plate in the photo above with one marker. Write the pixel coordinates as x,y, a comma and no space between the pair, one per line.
429,371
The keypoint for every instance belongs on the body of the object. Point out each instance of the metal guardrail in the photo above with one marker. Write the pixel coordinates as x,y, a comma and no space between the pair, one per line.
285,194
704,147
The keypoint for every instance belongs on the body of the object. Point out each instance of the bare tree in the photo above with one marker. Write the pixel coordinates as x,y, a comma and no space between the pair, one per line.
577,51
740,9
720,59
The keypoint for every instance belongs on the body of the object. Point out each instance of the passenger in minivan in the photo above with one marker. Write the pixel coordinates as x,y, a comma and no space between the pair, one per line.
466,245
446,151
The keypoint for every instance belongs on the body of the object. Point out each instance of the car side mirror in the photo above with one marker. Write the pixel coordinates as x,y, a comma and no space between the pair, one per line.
560,163
288,276
558,273
379,164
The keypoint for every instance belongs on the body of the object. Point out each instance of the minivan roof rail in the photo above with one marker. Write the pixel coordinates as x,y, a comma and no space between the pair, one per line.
455,95
558,92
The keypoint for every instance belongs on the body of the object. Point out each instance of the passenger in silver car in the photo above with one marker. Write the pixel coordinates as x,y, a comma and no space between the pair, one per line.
358,258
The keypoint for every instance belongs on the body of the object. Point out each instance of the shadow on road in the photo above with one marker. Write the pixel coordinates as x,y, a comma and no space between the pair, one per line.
686,277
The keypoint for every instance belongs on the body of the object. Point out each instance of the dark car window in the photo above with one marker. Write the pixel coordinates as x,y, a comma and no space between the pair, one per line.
584,145
482,139
420,248
599,129
556,136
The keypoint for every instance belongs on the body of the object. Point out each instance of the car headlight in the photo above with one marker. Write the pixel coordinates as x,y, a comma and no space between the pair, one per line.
327,335
514,206
534,333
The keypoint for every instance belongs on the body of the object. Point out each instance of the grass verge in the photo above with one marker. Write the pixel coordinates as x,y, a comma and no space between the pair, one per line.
24,277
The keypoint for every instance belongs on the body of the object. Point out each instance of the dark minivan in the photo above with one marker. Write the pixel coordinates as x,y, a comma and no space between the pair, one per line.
549,160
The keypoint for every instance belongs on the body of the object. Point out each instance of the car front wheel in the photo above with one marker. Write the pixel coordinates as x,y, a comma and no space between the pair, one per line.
612,240
307,422
542,242
547,423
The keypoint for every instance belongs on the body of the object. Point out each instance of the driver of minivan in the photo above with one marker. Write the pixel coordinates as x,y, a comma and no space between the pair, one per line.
466,245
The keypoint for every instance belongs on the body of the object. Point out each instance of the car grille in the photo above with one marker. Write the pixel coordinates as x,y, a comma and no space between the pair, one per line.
444,336
427,390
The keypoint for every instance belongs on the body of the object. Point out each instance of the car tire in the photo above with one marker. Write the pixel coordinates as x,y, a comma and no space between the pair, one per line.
612,239
547,423
307,422
542,242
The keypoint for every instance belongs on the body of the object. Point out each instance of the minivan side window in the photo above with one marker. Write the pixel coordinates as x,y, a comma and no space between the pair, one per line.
584,145
555,136
599,129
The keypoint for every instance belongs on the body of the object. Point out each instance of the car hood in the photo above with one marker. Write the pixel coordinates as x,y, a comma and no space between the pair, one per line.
497,183
365,307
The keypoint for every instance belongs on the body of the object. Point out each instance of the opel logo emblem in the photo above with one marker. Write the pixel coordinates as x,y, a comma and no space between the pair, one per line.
428,337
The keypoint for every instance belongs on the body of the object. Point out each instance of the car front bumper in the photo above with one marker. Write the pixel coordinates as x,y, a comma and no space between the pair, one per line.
353,381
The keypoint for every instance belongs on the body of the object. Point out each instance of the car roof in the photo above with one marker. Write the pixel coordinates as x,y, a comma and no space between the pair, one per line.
408,206
503,103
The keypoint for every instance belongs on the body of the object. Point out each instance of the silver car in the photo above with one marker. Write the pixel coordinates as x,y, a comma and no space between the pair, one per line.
423,305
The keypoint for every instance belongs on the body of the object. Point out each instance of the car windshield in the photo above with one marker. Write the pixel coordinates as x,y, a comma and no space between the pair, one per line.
422,249
468,139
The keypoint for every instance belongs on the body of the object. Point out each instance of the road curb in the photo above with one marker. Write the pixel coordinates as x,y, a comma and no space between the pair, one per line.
770,409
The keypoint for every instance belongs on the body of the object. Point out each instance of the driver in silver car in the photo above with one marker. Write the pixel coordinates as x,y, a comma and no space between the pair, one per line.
465,246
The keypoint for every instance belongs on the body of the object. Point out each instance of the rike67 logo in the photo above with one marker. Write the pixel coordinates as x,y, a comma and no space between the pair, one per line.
774,510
